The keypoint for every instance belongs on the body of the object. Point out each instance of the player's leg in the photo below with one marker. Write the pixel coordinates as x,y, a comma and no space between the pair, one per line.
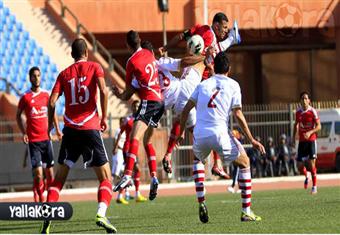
138,129
217,168
136,179
240,158
301,155
151,155
94,155
167,165
245,185
104,196
312,165
201,149
37,171
48,162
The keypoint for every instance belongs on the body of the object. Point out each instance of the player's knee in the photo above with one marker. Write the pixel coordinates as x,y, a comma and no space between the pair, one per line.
243,161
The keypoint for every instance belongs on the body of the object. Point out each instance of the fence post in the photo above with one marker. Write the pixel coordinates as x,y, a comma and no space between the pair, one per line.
291,121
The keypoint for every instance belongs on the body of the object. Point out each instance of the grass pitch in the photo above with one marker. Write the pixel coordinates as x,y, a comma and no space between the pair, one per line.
282,211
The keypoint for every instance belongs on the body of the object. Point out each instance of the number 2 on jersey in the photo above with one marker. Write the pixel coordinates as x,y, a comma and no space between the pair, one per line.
211,101
151,69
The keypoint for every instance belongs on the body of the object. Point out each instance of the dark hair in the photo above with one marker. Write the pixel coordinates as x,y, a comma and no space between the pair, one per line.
304,93
32,70
221,63
147,45
219,17
132,39
79,48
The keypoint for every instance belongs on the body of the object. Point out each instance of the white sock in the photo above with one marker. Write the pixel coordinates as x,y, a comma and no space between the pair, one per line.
137,194
102,207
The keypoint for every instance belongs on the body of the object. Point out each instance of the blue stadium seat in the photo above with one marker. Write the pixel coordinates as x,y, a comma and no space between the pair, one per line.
19,27
5,11
19,52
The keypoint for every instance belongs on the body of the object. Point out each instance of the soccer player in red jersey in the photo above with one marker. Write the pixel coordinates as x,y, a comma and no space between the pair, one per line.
127,127
220,39
142,77
83,126
34,104
307,124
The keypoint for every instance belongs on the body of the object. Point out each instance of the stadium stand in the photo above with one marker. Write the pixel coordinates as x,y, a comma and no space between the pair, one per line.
18,52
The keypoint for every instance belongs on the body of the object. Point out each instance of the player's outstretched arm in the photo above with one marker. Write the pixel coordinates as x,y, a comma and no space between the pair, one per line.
173,42
103,101
244,126
191,60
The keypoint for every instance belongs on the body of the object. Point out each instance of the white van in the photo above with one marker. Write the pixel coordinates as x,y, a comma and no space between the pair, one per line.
328,141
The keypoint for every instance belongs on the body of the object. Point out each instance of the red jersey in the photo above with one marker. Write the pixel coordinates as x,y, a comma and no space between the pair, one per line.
142,74
34,105
127,127
307,121
78,82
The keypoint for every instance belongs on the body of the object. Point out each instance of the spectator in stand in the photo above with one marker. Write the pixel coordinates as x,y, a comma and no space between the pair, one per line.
283,156
271,157
255,160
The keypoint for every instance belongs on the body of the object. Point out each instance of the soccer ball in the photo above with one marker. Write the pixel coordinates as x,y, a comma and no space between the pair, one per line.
46,210
195,45
288,19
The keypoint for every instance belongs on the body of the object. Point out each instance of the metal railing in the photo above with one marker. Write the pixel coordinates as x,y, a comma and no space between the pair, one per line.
97,46
9,86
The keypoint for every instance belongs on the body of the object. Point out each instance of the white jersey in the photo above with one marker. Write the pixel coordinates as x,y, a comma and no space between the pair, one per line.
170,85
190,79
215,98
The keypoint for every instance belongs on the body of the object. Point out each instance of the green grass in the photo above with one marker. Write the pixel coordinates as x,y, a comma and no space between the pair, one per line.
282,211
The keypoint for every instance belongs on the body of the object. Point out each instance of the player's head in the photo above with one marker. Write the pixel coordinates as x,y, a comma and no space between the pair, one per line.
283,138
147,45
220,25
221,63
304,99
133,40
35,76
79,49
135,106
270,140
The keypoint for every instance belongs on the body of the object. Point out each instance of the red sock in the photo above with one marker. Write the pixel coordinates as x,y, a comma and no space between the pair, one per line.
136,180
313,172
132,156
54,191
105,192
39,186
244,181
150,152
173,136
35,195
199,176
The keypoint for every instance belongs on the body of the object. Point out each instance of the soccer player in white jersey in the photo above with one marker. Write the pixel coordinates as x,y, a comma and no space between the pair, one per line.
214,99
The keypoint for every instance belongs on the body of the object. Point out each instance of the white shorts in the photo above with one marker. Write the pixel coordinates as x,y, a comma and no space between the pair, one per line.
118,163
227,147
